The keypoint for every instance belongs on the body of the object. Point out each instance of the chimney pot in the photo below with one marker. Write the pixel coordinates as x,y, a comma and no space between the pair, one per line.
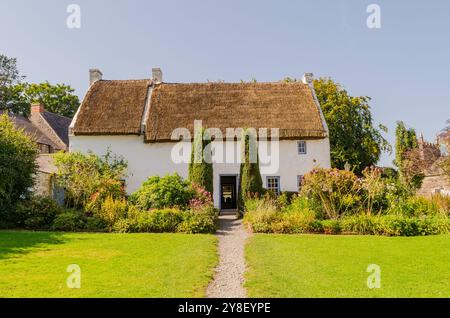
308,78
37,108
94,75
157,75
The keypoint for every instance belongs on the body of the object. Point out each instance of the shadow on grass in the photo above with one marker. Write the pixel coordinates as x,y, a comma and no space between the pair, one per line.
17,243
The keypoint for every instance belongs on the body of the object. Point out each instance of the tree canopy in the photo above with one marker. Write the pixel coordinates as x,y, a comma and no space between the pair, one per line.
17,96
353,136
59,99
18,152
9,76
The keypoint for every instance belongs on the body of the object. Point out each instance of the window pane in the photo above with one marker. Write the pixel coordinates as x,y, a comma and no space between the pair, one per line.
273,184
302,147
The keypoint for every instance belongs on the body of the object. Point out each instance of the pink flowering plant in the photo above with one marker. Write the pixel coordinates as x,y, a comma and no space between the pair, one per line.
201,197
337,191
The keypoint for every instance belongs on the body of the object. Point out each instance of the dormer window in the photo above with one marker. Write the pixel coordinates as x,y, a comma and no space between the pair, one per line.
301,146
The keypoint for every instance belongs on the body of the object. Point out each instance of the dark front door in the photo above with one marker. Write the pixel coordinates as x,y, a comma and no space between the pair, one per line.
228,200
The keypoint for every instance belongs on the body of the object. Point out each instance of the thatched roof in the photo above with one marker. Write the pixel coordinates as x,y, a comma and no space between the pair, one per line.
287,106
116,107
112,108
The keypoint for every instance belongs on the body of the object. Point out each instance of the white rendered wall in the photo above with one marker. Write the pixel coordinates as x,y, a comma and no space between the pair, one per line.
145,160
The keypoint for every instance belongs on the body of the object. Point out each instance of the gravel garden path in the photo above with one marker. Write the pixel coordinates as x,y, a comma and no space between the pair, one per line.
229,277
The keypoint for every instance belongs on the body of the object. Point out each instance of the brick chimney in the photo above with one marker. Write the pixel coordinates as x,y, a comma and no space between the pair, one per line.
94,75
157,76
37,108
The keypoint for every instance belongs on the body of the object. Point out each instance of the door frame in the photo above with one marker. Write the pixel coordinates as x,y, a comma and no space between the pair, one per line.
236,175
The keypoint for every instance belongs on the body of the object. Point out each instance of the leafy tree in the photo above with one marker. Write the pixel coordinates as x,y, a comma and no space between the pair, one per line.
59,98
200,166
250,182
9,76
18,152
89,179
405,140
17,96
353,137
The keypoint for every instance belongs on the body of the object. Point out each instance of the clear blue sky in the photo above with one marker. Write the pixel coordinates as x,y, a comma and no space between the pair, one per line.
404,66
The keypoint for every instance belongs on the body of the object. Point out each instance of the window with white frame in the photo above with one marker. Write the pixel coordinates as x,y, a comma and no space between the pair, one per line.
301,145
273,184
299,182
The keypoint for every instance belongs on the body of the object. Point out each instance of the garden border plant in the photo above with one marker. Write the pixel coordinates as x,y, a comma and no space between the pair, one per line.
338,202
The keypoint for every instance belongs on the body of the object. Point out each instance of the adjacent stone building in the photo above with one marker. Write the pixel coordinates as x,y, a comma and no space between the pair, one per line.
435,180
51,133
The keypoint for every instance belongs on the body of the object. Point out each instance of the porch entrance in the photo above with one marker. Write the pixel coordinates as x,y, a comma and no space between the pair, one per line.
228,193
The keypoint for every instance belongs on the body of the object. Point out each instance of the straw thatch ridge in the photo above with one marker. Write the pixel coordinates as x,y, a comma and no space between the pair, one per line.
287,106
112,108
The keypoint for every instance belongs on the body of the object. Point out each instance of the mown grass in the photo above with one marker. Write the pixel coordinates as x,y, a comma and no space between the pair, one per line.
34,264
336,266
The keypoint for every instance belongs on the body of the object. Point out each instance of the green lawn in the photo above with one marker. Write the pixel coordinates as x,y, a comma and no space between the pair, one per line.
33,264
335,266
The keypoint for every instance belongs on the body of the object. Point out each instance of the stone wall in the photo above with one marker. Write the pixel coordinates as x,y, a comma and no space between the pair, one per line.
435,184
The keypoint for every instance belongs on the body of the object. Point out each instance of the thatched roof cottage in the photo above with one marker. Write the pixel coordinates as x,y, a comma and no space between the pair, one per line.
143,120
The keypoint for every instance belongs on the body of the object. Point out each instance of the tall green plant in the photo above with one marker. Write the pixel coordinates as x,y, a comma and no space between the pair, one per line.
250,182
405,140
200,166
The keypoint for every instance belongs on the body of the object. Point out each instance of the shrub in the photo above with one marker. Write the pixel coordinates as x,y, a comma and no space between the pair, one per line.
434,225
201,197
37,213
331,226
373,186
294,222
262,221
89,179
69,221
264,216
285,199
299,203
18,152
395,225
165,220
418,206
125,225
337,191
112,210
96,224
363,224
203,220
159,193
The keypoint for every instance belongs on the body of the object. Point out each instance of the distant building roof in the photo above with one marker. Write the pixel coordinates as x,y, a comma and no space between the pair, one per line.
45,127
